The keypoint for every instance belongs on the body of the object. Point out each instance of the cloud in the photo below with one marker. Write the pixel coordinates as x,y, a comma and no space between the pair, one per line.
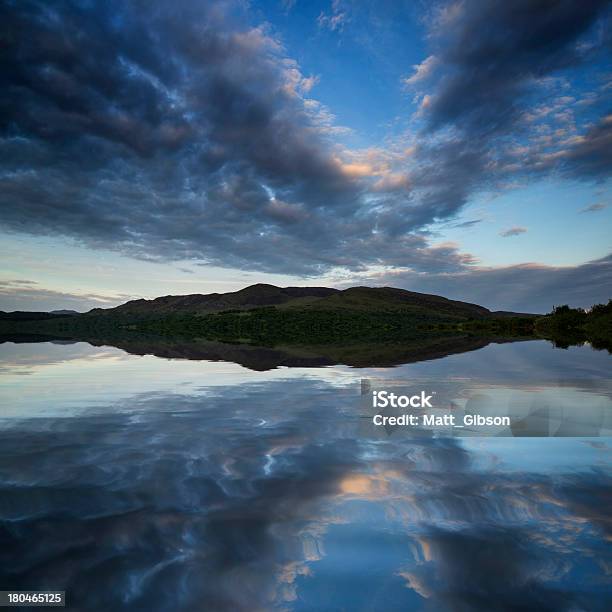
186,135
590,155
336,19
594,207
494,54
466,224
522,288
288,5
492,62
422,71
513,231
28,295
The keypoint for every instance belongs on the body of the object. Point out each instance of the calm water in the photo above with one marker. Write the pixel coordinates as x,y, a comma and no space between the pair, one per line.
142,483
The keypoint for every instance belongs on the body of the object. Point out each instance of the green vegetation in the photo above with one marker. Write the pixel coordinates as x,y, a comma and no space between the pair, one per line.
509,327
567,326
77,327
271,326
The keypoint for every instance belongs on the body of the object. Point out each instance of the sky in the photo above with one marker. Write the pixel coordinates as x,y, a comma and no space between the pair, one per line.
151,147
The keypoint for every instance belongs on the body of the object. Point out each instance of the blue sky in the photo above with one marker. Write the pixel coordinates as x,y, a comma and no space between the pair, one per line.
459,148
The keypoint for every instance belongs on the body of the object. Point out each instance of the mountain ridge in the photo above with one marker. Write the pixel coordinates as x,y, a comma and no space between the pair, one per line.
260,295
253,296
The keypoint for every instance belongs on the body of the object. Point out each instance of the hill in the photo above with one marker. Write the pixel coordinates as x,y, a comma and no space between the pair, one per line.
358,299
389,299
269,315
254,296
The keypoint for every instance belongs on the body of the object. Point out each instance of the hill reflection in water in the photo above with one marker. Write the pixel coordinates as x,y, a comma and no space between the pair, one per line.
419,347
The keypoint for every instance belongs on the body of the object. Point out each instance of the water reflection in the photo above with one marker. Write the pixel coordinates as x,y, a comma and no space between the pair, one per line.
262,493
421,346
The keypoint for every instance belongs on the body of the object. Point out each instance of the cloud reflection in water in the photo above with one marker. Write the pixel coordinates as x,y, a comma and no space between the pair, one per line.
265,496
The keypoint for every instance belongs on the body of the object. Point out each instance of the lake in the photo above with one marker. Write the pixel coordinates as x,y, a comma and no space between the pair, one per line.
142,482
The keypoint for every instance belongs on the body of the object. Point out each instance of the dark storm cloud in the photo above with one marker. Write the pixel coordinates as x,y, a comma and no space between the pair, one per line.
591,155
448,171
182,132
495,51
489,66
165,132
